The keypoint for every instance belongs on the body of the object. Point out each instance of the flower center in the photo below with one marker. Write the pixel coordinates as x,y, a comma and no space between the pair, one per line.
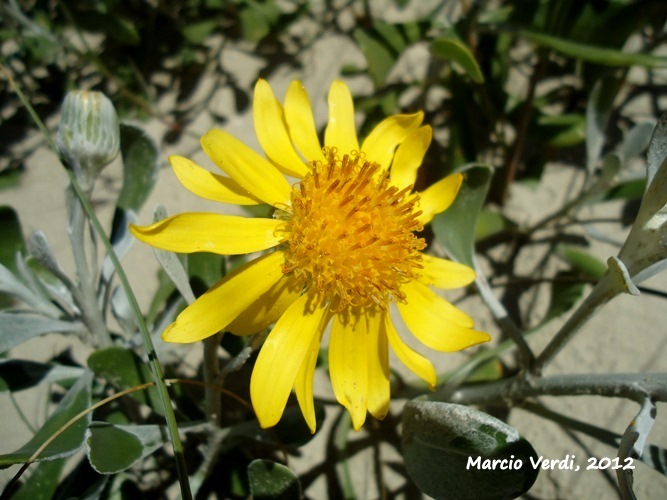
352,233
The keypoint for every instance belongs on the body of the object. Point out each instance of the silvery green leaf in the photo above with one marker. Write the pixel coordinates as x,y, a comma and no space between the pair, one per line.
171,264
121,310
635,141
121,240
633,443
176,272
598,111
17,327
451,48
39,248
657,149
68,442
53,288
166,351
611,166
11,285
450,448
114,448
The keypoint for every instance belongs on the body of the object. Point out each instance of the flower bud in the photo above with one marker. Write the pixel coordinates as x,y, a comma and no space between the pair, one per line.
88,135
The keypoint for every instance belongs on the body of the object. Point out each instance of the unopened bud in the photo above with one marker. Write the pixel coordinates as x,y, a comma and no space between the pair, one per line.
88,135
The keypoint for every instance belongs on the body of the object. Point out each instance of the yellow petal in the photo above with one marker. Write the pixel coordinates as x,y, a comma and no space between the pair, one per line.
379,390
381,143
445,274
435,322
225,300
300,122
266,309
272,132
421,295
281,357
438,197
215,233
252,172
417,363
209,185
340,132
409,156
348,364
303,387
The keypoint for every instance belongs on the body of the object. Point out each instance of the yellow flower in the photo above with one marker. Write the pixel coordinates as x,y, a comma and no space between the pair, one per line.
344,248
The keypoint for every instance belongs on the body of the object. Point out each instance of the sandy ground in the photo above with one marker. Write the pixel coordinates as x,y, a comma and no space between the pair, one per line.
627,336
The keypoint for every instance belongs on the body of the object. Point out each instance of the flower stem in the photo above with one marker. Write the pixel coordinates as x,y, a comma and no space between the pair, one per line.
212,376
146,337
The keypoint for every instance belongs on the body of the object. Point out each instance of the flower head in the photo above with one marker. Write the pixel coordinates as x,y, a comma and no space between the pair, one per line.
89,134
345,247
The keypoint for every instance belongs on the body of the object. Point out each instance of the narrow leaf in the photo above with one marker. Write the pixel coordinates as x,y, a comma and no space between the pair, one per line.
582,261
657,149
598,111
11,285
16,328
379,58
196,32
628,190
636,140
171,264
453,49
597,55
564,295
66,444
391,34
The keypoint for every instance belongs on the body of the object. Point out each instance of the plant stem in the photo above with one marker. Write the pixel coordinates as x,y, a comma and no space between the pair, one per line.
86,297
212,376
146,337
634,386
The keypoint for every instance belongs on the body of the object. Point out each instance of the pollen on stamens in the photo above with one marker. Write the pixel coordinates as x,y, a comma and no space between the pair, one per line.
350,233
